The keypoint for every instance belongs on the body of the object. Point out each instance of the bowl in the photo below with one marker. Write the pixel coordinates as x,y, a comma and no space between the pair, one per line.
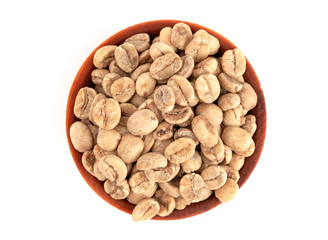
153,28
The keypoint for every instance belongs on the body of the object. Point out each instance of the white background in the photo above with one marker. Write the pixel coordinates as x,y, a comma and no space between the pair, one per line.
44,43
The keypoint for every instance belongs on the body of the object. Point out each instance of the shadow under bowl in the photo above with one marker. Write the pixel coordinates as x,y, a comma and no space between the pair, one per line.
83,79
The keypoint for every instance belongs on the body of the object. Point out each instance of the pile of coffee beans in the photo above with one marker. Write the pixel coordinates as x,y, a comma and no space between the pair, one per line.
167,121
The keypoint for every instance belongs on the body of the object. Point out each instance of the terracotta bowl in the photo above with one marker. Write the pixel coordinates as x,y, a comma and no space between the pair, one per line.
153,28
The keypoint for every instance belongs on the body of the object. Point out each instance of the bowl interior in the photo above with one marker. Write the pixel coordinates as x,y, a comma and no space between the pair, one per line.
153,28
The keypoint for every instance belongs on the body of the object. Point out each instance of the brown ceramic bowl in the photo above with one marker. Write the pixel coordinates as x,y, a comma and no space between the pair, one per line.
153,28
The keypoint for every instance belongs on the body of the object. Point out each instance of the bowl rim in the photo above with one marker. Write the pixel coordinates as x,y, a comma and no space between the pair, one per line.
211,202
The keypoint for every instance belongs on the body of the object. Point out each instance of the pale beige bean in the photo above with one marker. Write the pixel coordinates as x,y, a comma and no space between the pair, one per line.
171,187
198,49
96,99
150,104
149,141
113,168
234,117
126,152
248,97
233,63
163,131
83,102
181,35
145,84
99,152
178,115
107,113
151,160
227,155
137,100
123,89
107,82
139,183
165,66
187,67
88,161
165,37
180,150
207,87
98,75
237,161
81,136
192,164
166,203
185,132
142,122
117,190
232,173
249,151
104,56
215,153
141,41
108,139
187,123
114,68
145,209
181,203
228,101
205,131
159,49
213,42
230,84
145,57
139,70
209,65
250,124
165,174
212,113
93,129
160,145
237,139
207,161
127,109
192,187
97,173
134,198
183,90
121,129
214,177
126,57
227,192
164,98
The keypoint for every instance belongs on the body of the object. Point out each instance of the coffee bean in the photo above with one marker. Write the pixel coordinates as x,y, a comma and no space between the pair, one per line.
126,57
165,66
164,98
145,209
140,41
81,137
113,168
233,63
107,113
204,131
104,56
142,122
83,102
